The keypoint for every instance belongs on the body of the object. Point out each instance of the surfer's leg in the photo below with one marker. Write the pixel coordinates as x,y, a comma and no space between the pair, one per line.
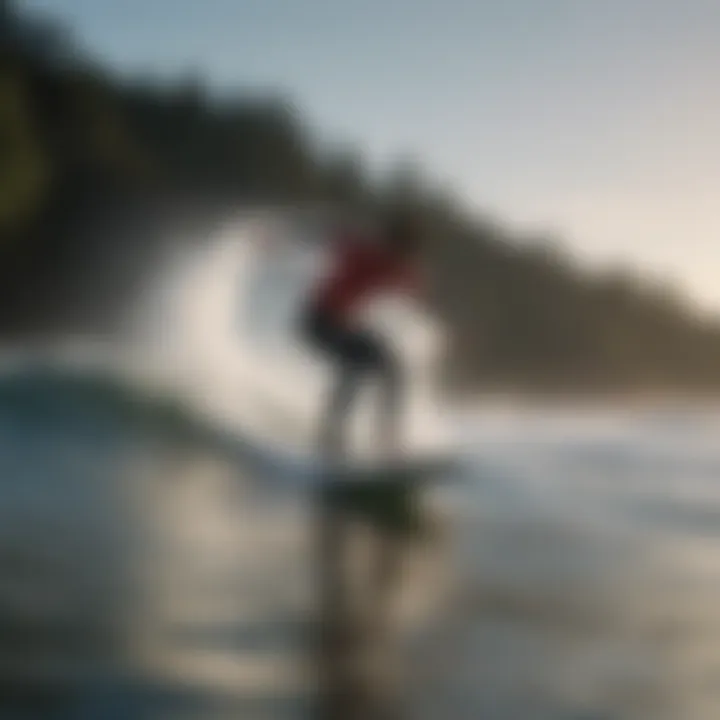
360,355
342,393
391,382
354,355
372,357
349,356
366,355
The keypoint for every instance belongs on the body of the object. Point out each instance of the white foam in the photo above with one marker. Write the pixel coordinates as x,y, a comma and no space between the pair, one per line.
223,318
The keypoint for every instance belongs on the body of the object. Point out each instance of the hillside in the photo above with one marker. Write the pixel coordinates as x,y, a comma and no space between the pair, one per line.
99,177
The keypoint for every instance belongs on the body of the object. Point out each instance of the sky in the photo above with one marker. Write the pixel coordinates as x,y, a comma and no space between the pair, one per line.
593,120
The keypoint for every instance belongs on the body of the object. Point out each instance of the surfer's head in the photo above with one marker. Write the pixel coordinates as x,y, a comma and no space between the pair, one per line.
402,233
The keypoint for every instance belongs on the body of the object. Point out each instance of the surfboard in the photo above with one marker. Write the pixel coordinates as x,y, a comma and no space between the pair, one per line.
387,495
307,468
411,469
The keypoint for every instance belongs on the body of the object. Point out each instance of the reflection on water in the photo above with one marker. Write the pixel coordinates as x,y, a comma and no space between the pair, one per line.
139,572
145,576
591,555
142,570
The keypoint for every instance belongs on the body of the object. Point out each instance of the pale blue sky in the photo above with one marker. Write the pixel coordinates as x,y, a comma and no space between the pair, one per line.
597,119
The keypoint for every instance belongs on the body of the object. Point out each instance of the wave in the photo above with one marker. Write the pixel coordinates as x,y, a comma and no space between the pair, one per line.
91,398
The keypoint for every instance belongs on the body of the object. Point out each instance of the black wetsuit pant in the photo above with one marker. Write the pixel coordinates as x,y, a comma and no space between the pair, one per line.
357,355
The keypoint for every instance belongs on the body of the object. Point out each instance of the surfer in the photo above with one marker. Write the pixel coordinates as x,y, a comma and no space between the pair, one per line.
362,266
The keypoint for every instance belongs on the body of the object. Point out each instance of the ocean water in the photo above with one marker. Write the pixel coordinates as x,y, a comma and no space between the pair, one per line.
589,552
145,571
149,568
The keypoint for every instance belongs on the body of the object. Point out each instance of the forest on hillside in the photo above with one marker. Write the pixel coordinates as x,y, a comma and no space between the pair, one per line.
100,175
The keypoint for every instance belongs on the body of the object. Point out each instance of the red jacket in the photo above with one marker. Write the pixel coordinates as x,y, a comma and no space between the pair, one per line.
359,271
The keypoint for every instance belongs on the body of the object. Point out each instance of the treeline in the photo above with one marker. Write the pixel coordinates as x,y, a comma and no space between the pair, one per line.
100,176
